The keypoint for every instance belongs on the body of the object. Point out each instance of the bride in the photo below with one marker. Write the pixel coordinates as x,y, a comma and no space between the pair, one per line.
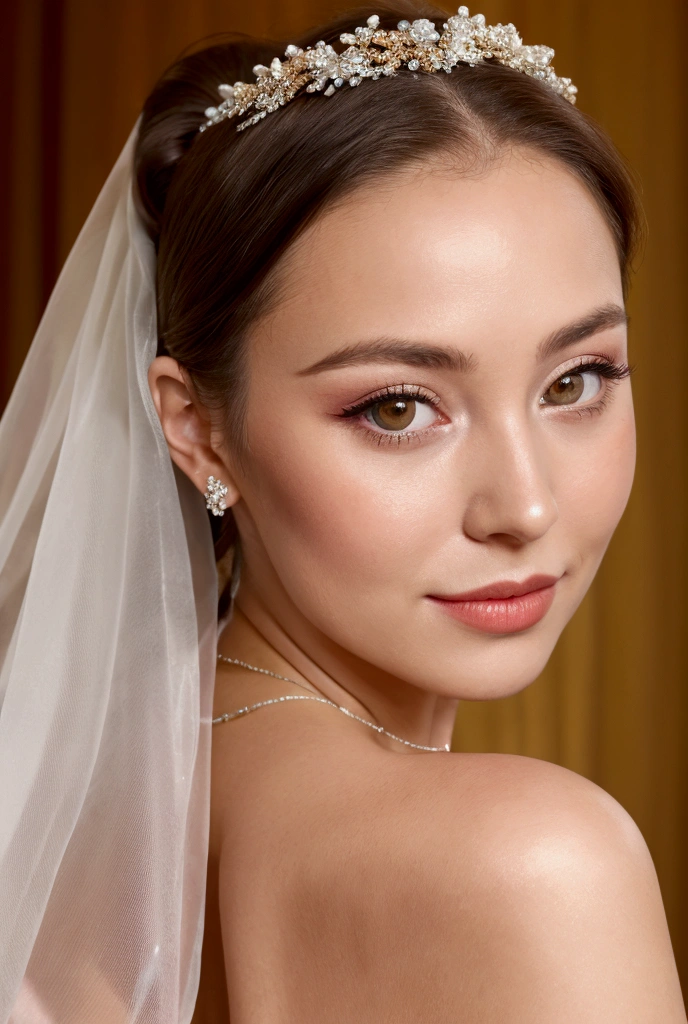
353,359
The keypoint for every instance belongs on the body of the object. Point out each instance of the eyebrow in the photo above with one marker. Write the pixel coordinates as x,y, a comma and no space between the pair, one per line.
396,350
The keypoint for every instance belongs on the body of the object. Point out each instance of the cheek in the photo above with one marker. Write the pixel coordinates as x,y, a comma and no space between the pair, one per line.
356,518
345,526
594,485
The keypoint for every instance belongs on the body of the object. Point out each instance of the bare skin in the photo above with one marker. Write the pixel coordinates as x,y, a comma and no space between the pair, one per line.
353,878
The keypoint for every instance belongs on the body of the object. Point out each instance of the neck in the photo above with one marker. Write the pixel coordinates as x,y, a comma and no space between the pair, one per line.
278,638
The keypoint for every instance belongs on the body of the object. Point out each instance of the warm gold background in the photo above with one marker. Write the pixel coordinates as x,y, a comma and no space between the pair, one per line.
613,703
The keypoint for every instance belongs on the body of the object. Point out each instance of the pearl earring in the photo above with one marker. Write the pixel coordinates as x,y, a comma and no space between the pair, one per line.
215,496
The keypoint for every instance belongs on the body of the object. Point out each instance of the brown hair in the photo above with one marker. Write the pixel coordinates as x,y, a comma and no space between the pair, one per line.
223,206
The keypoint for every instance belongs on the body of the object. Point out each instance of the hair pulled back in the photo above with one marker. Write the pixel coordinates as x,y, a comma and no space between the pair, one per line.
223,206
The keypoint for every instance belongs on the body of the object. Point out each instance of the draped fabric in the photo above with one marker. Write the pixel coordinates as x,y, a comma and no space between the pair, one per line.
108,634
613,702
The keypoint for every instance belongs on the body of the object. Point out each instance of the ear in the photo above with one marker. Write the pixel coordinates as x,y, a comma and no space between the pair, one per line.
187,427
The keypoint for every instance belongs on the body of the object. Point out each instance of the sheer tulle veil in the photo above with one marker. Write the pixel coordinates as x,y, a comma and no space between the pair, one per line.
108,632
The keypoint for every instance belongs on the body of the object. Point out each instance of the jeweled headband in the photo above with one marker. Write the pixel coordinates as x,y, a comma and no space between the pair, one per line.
372,52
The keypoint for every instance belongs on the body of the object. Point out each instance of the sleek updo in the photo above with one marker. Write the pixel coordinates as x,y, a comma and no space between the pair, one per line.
223,206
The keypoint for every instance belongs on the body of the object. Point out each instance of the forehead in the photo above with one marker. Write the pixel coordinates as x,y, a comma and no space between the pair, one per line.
512,252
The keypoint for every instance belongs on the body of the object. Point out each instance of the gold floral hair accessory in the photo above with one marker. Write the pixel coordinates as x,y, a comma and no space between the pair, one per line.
372,52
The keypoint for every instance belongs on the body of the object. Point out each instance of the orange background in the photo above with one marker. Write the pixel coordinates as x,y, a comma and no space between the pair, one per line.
613,702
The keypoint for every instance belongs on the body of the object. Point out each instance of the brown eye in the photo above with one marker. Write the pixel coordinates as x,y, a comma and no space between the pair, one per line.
570,388
394,414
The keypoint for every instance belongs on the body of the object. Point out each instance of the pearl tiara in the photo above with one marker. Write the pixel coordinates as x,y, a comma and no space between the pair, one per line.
372,52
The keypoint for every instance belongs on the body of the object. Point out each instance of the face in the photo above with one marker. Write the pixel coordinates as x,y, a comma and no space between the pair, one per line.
439,405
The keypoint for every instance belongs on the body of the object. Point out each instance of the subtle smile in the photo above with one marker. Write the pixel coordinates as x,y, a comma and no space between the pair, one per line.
502,607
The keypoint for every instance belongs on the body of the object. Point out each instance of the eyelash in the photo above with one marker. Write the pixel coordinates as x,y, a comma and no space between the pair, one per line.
391,391
606,367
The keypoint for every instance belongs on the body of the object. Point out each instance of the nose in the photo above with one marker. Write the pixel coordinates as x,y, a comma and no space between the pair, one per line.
511,496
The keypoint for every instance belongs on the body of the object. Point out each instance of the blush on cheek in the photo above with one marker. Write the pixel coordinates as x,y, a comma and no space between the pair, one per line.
599,488
336,520
619,471
363,523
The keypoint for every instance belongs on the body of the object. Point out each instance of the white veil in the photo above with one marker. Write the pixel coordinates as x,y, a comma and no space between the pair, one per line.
108,630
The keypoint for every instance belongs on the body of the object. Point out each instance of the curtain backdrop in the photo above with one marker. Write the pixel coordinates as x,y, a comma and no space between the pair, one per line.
613,702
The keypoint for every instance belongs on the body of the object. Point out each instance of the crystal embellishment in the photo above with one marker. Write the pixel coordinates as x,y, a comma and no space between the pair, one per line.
372,52
215,496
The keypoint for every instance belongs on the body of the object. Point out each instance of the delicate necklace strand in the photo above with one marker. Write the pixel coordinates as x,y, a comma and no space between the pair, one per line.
322,700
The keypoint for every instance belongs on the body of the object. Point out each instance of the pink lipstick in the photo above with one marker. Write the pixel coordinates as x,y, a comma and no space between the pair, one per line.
502,607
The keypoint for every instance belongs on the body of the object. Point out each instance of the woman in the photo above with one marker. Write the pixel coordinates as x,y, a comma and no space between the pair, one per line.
381,331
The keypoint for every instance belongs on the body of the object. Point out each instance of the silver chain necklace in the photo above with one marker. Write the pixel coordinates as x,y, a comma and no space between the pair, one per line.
322,700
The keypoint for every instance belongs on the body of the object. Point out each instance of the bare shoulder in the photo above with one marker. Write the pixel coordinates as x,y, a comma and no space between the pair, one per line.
314,775
535,879
464,886
520,805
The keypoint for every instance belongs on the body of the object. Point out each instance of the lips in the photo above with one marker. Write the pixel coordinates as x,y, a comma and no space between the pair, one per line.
502,589
502,607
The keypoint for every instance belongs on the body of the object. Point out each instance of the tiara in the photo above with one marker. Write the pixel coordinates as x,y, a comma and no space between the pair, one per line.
372,52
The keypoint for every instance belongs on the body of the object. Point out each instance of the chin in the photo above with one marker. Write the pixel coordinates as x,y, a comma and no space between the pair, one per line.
472,664
489,667
497,685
